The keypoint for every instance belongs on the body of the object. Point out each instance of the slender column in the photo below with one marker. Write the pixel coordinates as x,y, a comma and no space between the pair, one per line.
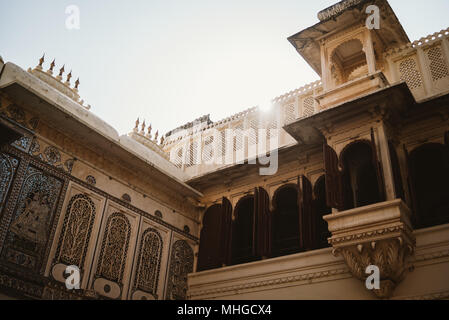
385,158
369,52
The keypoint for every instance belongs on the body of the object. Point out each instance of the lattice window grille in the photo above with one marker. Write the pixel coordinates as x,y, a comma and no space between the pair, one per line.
177,157
254,131
408,70
208,148
192,154
238,133
308,106
438,67
290,115
223,142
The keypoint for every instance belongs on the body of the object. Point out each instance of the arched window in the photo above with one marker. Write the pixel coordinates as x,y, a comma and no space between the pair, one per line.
285,221
209,256
348,62
243,232
360,176
321,210
429,171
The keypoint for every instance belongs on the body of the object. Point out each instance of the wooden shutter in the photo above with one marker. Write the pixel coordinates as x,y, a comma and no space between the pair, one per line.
263,224
305,211
226,231
334,197
255,221
411,188
209,256
378,167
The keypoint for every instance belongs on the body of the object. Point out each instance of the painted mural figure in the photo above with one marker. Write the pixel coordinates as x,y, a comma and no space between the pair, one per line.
32,223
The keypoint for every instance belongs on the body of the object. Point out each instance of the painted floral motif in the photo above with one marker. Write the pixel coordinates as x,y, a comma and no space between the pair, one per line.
52,154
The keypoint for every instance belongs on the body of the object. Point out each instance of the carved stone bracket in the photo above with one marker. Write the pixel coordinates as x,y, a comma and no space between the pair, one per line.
390,256
378,235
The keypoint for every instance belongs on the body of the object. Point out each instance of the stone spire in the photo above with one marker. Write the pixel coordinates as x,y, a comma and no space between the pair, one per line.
77,83
61,72
41,62
136,128
69,76
52,65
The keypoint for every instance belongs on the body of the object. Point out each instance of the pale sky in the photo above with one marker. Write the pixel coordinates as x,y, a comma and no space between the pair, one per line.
171,61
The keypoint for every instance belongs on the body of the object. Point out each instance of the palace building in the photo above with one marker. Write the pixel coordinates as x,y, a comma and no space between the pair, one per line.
338,179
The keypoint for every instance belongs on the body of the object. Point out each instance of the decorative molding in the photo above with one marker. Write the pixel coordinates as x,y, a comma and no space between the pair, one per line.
277,281
369,234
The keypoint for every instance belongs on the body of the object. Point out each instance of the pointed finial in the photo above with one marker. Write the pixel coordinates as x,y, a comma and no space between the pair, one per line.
41,62
77,83
143,127
156,135
149,131
162,140
61,71
136,128
52,65
69,76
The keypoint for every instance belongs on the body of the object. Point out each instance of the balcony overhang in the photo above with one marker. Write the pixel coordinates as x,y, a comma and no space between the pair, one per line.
393,101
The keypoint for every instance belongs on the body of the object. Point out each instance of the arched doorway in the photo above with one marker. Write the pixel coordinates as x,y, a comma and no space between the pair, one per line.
360,176
243,232
285,221
321,210
429,171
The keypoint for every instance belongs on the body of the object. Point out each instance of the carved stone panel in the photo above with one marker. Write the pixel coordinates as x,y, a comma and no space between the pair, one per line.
114,248
113,264
8,168
32,220
181,264
149,262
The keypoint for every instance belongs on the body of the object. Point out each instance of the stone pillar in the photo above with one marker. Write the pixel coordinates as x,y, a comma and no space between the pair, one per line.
426,76
385,159
325,72
369,52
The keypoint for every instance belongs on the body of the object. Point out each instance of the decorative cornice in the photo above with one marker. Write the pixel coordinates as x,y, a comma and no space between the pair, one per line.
271,282
336,9
367,235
